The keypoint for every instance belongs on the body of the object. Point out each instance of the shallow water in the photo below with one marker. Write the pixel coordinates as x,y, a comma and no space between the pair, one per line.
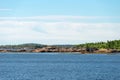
50,66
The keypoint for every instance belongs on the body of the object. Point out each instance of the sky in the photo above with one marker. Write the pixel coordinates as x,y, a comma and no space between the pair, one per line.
59,21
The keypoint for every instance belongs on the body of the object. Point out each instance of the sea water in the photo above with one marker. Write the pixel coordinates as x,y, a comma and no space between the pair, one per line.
59,66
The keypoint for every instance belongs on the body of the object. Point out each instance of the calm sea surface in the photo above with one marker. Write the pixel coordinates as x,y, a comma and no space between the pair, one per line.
56,66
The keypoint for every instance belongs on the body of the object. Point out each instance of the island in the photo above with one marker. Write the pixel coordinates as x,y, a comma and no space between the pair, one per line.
112,46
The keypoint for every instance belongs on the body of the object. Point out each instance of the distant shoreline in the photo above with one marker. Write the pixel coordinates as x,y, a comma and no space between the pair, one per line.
87,48
61,50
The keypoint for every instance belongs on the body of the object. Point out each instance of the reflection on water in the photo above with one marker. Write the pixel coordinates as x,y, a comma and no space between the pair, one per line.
59,66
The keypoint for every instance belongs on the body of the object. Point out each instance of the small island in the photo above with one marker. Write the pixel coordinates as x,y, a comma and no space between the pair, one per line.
97,47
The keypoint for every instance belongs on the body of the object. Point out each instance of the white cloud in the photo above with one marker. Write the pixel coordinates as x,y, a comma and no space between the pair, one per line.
56,32
57,17
5,9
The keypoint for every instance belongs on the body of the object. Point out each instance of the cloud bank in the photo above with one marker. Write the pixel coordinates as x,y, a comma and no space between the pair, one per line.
62,30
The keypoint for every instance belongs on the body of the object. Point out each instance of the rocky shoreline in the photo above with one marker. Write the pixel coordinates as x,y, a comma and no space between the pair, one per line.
60,49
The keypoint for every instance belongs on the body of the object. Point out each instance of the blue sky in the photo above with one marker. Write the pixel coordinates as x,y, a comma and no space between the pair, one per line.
61,7
59,21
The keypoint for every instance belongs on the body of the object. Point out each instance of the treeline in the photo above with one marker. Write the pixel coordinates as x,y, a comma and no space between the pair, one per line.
115,44
64,46
22,46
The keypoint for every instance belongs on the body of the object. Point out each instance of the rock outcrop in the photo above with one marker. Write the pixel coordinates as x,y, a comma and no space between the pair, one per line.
61,49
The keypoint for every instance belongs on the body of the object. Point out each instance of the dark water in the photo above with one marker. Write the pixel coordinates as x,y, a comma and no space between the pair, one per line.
59,66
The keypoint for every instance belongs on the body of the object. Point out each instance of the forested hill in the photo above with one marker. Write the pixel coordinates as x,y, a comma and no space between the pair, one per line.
21,46
114,44
64,46
32,46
